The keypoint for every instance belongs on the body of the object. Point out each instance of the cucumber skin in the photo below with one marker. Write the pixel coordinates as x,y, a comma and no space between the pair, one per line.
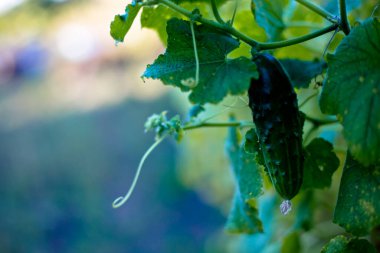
278,125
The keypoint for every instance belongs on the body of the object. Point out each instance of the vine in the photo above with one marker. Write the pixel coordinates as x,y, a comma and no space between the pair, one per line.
349,92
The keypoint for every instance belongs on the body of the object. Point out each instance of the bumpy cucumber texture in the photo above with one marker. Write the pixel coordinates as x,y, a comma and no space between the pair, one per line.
278,125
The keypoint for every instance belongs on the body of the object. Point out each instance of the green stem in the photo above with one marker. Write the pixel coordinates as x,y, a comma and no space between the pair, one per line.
216,12
195,54
344,24
234,13
285,43
309,134
319,10
303,24
219,124
320,122
253,43
223,27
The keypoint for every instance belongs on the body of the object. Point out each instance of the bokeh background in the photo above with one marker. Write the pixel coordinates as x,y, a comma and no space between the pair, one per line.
72,109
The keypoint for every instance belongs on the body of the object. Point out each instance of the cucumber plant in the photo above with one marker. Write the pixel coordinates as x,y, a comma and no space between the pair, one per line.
326,54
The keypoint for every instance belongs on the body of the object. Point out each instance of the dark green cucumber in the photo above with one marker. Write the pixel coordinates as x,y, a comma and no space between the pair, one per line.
278,125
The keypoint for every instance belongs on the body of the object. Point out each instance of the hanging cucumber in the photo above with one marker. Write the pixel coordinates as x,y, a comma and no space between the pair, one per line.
278,127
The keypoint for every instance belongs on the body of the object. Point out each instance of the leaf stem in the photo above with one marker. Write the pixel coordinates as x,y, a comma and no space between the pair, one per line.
216,12
219,124
319,10
223,27
195,53
344,24
232,31
320,122
285,43
234,13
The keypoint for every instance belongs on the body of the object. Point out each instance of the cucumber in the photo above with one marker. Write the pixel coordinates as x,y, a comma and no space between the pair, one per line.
278,126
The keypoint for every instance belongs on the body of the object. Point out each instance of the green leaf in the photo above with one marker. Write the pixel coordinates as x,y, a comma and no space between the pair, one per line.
291,243
243,217
252,146
342,244
269,15
358,206
247,172
352,90
302,72
122,23
156,18
320,163
218,75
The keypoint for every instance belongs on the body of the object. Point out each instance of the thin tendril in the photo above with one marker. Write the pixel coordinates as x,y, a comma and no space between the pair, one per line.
307,99
329,43
234,14
242,99
374,10
235,102
219,113
121,200
195,53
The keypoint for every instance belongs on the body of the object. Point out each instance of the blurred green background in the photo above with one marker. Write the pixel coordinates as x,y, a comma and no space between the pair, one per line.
72,109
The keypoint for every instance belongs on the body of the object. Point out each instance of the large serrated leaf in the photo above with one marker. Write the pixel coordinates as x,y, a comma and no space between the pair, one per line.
243,217
122,23
343,244
218,75
352,90
358,206
320,164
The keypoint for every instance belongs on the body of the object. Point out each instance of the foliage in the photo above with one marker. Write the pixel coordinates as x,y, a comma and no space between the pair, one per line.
353,77
206,56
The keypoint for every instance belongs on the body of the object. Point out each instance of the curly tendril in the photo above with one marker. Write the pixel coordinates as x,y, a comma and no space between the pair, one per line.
123,199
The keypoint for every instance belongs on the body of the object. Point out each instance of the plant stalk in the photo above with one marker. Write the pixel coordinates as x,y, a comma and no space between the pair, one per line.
285,43
344,24
222,27
253,43
216,12
319,10
219,124
321,122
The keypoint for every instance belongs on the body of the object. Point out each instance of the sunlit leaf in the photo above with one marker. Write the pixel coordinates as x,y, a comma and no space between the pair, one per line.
122,23
218,75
